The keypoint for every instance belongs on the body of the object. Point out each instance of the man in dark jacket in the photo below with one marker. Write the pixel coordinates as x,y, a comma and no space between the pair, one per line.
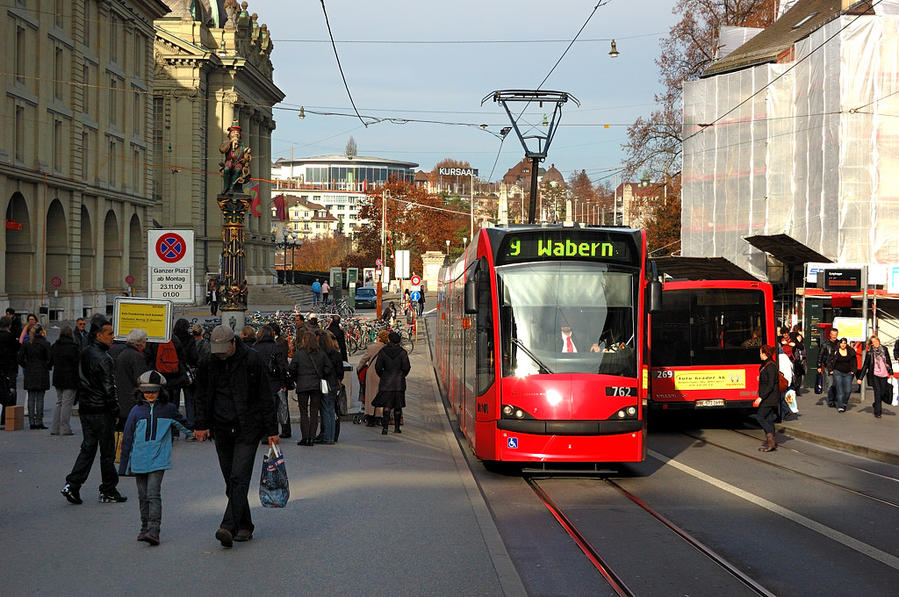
9,350
234,397
130,364
339,335
81,333
828,347
98,408
15,322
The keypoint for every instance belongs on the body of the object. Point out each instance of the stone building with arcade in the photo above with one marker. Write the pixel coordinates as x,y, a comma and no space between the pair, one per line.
115,114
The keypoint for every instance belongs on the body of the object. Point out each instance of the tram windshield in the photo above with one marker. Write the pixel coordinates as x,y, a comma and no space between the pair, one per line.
567,317
709,326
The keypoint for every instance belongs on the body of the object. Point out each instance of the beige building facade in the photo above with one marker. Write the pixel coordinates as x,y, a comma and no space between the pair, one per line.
74,183
213,69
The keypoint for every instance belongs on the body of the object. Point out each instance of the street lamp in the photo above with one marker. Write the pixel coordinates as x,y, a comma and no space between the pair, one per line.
447,248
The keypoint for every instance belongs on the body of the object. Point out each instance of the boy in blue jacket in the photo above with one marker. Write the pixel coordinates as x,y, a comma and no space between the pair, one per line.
147,449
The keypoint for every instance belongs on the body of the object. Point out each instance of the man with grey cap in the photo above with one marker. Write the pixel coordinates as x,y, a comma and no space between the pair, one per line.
130,364
233,398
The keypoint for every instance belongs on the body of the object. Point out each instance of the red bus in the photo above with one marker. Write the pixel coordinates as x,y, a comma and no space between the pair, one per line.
705,344
519,391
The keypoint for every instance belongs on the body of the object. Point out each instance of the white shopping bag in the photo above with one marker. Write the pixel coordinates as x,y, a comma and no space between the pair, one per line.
894,383
790,399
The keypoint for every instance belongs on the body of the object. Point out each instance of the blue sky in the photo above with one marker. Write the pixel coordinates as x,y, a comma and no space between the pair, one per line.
446,81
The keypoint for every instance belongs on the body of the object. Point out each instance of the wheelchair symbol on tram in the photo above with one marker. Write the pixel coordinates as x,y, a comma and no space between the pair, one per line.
512,442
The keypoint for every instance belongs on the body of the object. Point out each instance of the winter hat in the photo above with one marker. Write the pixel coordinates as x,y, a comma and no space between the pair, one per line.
150,381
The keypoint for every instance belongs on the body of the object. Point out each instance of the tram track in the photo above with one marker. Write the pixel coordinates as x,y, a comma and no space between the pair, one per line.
616,582
769,462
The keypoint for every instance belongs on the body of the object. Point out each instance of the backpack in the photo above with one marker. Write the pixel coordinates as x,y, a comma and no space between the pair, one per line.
273,367
167,358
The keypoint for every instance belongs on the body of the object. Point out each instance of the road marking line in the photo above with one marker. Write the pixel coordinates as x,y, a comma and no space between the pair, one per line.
863,548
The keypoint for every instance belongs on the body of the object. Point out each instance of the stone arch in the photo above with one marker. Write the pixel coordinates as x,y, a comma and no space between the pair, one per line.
88,251
137,254
20,254
113,278
57,263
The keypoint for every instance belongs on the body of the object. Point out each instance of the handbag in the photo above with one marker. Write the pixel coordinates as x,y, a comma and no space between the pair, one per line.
894,385
274,488
819,383
341,401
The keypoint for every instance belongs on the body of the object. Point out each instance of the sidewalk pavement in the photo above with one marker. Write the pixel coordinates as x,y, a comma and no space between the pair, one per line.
372,515
855,430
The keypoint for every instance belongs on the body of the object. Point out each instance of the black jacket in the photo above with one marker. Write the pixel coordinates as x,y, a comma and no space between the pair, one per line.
868,366
129,366
392,366
9,353
769,391
36,360
65,363
246,376
271,354
336,374
96,390
827,349
307,369
340,336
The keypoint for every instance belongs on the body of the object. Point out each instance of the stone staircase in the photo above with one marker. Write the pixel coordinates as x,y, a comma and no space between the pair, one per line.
281,295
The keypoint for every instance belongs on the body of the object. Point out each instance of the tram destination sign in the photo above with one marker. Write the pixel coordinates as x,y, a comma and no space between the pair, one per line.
573,245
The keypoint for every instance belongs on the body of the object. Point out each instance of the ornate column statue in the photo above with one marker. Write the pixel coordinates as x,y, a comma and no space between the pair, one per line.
234,204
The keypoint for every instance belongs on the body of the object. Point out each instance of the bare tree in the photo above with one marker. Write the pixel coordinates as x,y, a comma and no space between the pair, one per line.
654,142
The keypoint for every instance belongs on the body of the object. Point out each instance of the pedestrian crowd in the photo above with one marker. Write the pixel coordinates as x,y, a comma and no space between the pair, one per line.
234,389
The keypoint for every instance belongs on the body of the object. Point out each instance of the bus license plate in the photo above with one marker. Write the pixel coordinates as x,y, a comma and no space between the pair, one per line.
708,403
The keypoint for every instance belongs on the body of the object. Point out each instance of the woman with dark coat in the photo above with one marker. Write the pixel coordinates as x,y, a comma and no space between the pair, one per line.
769,396
843,365
276,364
879,369
328,345
36,360
65,353
189,361
308,367
392,367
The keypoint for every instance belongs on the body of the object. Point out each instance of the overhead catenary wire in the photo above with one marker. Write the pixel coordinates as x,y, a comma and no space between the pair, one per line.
339,66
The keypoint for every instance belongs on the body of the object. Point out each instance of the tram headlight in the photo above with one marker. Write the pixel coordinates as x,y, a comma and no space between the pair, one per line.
510,411
507,410
519,413
629,412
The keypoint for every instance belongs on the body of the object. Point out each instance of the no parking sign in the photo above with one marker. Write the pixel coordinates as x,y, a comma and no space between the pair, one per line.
170,265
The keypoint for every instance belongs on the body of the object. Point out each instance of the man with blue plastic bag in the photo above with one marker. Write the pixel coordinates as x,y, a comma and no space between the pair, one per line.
233,398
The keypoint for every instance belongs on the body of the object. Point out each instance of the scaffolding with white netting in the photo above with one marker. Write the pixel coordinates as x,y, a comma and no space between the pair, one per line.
814,154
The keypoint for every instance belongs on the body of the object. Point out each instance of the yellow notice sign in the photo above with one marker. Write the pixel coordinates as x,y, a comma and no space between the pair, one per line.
154,316
710,379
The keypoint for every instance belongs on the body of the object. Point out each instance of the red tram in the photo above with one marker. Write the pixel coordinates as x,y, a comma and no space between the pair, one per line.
705,344
523,390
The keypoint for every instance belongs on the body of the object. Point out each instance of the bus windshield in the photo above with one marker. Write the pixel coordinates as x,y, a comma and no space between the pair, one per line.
567,317
709,326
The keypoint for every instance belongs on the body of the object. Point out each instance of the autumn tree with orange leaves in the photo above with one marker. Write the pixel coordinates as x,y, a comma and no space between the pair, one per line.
416,221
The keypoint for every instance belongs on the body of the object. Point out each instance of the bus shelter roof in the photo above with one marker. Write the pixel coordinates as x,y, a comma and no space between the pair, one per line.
702,268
